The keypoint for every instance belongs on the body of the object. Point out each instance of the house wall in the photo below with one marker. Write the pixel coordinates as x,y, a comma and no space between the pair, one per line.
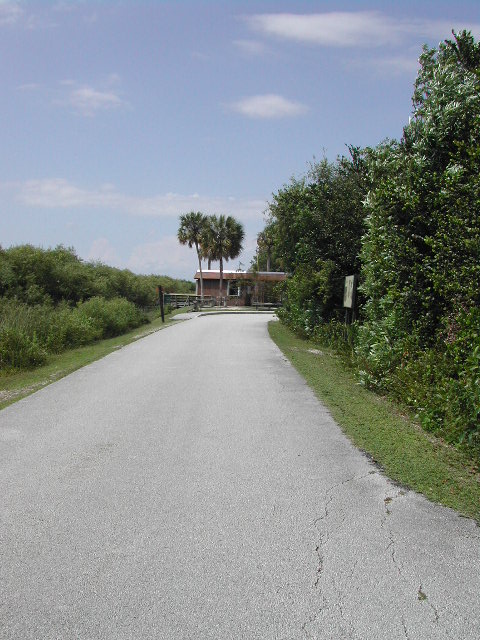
261,291
211,288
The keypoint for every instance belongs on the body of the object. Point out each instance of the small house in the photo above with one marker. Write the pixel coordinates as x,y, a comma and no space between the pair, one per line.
241,288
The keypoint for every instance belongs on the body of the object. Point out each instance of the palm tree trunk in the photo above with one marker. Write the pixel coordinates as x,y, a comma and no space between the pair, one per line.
201,280
201,273
221,276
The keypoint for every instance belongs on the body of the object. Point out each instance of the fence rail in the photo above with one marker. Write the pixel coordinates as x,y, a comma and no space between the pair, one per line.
178,300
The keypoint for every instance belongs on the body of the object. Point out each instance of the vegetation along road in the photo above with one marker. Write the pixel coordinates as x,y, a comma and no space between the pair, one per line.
191,486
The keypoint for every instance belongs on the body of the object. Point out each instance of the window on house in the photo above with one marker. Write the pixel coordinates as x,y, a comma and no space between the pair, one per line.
233,288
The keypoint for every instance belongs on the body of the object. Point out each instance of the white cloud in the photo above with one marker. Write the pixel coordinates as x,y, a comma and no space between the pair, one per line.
40,15
28,86
441,29
166,256
57,193
350,29
82,99
155,256
328,29
103,251
397,64
35,22
10,13
251,47
402,63
87,100
64,7
198,55
91,19
268,106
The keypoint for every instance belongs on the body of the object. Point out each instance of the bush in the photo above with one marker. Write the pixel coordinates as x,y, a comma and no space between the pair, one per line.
29,333
420,340
443,383
420,252
50,300
338,336
69,329
111,317
315,227
36,276
18,350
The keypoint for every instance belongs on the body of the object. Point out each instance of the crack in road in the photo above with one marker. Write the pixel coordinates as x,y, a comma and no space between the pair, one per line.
391,545
310,620
320,554
320,564
405,630
421,595
388,502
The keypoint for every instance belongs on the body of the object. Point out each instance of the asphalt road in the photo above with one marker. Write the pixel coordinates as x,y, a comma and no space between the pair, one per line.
191,487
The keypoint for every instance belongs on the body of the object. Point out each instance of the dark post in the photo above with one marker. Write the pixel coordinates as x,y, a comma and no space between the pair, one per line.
160,295
354,297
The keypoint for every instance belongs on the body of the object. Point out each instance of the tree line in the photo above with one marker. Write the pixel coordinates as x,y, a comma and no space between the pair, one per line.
51,300
405,216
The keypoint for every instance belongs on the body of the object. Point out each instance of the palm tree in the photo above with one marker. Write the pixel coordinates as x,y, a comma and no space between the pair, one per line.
222,240
207,254
192,226
266,242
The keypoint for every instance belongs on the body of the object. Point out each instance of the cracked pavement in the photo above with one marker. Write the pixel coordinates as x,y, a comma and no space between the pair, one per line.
191,486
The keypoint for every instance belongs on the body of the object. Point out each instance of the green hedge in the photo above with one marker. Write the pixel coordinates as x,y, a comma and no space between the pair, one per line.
35,276
29,333
417,337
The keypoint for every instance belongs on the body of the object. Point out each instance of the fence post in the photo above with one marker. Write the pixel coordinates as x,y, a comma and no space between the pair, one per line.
160,295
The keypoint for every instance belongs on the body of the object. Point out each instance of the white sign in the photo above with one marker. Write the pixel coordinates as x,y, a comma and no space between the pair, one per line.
349,292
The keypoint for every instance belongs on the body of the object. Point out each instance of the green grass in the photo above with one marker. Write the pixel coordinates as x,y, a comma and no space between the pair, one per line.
15,386
393,440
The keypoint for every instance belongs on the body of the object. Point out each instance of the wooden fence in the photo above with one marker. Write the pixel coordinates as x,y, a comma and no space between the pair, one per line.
179,300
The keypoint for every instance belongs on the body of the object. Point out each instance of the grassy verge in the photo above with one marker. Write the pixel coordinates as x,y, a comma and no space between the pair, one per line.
14,386
405,452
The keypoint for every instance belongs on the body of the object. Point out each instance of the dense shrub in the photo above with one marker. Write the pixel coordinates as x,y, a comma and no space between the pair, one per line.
29,333
36,276
418,335
50,300
420,256
315,229
19,350
339,336
111,317
302,309
443,383
67,329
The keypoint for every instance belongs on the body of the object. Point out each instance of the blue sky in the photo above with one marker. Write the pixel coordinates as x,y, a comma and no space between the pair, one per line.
116,117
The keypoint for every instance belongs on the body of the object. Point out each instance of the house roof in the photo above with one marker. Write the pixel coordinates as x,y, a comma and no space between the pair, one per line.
262,276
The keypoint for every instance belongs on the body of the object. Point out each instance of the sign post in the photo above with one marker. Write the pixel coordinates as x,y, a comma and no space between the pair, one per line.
160,298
